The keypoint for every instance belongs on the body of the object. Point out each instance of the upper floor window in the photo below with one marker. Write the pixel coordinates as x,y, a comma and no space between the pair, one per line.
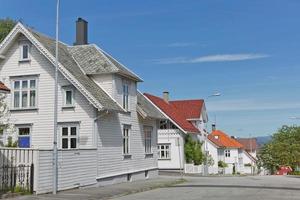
24,52
24,94
148,139
69,136
125,96
227,153
167,124
68,95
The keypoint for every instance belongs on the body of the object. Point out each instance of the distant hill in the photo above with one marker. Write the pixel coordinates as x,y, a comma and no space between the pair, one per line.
261,140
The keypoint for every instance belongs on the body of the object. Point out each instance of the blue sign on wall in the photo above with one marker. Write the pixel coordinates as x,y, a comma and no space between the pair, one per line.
24,142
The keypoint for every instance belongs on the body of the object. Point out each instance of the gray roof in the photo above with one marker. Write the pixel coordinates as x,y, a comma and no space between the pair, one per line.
147,108
94,60
67,60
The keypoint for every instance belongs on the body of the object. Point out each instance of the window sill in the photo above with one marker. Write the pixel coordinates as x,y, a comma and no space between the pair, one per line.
164,158
68,107
148,155
23,109
127,156
24,61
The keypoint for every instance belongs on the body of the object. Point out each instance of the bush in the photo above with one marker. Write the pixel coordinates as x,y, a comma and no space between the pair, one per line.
10,142
193,151
222,164
295,173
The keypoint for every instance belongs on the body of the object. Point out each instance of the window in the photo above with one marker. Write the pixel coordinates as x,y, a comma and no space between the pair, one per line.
227,153
24,93
126,144
164,151
167,124
24,52
68,97
24,137
148,139
69,137
125,96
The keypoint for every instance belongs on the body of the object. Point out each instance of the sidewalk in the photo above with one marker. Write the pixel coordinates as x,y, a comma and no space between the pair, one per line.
107,192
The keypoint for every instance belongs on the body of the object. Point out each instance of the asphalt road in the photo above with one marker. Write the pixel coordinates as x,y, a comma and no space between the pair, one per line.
226,188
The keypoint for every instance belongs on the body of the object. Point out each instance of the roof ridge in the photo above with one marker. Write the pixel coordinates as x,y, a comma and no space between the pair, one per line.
184,100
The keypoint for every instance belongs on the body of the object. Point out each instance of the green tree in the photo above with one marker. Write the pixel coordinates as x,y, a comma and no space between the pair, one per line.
283,149
193,151
6,25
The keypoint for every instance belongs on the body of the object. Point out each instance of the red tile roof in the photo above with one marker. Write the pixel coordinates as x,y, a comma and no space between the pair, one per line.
3,87
221,139
179,111
190,109
248,143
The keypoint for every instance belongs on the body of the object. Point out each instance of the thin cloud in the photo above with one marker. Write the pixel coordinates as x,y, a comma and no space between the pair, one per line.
181,44
210,58
251,105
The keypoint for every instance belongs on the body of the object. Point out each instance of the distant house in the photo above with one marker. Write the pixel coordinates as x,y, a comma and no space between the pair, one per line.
107,130
249,144
183,117
231,152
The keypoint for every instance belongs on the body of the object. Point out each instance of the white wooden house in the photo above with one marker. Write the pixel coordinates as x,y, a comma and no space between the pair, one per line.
229,150
182,117
107,129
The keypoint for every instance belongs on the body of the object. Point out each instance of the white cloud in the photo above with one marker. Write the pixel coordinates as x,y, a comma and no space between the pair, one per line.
210,58
181,44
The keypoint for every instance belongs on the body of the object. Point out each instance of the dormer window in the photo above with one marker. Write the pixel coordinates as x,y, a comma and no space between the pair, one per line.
68,95
125,96
24,52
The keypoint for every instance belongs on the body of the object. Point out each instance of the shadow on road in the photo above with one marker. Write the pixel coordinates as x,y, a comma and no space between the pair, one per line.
235,186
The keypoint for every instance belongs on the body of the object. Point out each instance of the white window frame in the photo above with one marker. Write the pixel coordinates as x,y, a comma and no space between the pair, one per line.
125,95
22,44
148,131
65,90
29,135
126,139
227,153
69,136
165,151
28,91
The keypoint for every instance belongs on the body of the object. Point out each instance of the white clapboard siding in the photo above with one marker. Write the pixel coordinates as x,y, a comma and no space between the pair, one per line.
42,118
105,81
76,168
110,156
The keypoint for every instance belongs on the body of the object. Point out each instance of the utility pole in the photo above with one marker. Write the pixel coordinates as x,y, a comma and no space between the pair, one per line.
250,140
55,159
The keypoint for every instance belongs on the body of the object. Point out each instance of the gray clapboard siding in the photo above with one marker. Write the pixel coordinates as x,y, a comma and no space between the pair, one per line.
110,157
76,168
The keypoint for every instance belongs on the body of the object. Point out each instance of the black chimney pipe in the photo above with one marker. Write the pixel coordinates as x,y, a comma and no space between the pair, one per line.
81,32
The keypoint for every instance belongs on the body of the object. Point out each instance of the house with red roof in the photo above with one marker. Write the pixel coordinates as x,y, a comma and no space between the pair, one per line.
183,117
229,150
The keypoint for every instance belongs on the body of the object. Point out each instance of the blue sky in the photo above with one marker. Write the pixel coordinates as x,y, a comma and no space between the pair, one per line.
247,50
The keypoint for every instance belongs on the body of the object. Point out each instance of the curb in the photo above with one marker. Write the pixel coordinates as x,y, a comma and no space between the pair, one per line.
155,186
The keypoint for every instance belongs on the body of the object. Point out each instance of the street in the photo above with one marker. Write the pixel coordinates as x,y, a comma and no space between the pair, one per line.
227,188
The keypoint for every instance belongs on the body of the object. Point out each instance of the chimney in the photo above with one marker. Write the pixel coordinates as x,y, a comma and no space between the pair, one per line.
81,32
166,96
213,127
